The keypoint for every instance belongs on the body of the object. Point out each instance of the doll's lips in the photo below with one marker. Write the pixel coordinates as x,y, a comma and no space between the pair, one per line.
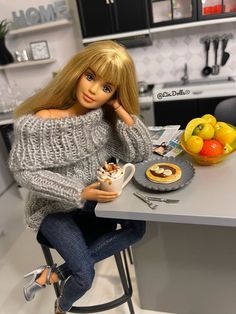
87,98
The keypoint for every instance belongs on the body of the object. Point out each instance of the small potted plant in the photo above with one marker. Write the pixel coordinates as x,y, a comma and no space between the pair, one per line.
5,55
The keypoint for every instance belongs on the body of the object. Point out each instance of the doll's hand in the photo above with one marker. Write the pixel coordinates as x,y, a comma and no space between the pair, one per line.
114,103
121,112
92,193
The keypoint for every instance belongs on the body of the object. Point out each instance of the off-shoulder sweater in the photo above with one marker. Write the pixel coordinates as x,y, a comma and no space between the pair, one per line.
56,158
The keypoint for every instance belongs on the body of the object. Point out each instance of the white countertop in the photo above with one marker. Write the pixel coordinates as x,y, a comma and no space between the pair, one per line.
6,118
204,90
209,199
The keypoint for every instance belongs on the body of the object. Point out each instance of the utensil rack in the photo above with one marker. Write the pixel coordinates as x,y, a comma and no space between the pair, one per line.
211,38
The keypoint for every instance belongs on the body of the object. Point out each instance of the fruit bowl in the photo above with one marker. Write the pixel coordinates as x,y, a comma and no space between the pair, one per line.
206,160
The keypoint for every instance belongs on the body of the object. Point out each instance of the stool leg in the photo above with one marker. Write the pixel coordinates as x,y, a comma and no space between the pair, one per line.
130,255
49,260
125,283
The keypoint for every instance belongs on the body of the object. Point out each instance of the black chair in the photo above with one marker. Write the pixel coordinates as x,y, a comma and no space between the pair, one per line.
226,111
122,266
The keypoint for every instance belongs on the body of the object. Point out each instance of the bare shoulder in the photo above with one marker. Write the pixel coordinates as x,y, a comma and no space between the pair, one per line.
52,113
44,113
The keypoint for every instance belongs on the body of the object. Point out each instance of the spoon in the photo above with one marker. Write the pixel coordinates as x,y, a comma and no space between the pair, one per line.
216,67
207,70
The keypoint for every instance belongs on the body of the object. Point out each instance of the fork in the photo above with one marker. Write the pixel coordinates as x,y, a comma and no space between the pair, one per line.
161,199
158,199
146,200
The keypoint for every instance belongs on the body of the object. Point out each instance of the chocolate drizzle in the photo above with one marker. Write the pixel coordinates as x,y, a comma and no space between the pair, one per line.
162,175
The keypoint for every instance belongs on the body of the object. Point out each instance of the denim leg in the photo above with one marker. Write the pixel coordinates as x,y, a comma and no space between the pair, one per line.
107,242
63,233
112,242
107,245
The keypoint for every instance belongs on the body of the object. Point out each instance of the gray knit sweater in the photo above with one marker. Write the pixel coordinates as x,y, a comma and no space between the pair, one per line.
56,158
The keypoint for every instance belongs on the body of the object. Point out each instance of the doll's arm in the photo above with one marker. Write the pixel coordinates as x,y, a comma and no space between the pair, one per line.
51,185
131,143
122,114
57,187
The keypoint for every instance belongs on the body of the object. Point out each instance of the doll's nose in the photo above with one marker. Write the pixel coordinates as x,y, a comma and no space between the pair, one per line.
94,88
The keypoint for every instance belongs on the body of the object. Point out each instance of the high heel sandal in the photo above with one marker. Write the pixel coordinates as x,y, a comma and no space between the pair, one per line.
32,286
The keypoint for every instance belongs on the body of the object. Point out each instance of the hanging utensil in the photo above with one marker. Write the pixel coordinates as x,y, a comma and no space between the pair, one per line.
225,54
216,67
143,87
206,70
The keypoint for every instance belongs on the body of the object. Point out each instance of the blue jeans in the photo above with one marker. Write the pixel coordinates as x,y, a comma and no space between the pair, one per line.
82,239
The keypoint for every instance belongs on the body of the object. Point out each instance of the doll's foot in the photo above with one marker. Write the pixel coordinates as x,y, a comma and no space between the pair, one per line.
35,284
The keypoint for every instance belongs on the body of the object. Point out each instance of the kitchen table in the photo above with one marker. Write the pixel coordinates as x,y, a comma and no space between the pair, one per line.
186,262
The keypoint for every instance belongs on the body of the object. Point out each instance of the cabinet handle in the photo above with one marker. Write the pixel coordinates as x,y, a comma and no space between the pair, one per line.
107,2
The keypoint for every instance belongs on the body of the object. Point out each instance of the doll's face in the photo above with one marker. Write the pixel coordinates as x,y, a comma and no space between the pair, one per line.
92,91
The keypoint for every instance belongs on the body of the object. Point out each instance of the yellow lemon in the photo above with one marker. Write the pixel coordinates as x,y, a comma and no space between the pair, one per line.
220,124
205,131
227,149
194,144
209,118
224,133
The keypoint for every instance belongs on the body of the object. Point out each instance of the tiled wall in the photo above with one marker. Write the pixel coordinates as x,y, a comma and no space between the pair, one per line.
164,60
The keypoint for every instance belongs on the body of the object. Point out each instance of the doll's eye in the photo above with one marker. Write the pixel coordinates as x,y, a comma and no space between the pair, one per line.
107,88
89,76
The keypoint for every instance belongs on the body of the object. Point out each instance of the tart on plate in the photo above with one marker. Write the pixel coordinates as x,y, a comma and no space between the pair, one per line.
163,172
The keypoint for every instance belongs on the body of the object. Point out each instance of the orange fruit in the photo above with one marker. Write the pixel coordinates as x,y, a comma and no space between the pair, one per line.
212,148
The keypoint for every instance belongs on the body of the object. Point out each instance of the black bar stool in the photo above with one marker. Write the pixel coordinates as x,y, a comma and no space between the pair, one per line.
122,266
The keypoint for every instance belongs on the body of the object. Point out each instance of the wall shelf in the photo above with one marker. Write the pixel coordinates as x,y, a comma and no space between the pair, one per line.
26,64
39,27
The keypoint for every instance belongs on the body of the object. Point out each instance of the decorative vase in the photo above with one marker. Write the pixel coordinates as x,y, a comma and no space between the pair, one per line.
5,55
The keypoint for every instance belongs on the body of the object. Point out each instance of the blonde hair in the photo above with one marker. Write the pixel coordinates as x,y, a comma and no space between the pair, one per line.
108,60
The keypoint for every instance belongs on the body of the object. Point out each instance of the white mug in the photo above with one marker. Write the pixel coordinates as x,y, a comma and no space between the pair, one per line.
117,185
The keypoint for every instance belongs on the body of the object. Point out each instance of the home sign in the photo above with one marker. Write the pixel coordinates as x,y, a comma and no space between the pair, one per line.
40,15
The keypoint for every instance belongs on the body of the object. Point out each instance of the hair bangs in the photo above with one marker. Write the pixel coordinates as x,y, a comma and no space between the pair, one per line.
108,68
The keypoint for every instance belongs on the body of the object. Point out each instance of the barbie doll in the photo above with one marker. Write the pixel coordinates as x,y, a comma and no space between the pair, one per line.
63,135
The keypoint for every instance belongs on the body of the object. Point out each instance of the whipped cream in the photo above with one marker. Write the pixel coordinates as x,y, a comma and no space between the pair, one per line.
110,171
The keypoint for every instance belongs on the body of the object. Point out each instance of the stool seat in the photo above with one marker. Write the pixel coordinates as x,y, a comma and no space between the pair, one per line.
122,266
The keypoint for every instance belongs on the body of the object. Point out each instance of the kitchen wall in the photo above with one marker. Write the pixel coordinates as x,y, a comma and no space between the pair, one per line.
164,60
63,42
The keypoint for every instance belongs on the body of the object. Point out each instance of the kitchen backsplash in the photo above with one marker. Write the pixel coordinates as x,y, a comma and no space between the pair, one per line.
164,60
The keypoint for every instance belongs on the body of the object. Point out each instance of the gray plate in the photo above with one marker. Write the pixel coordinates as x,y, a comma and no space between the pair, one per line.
187,174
